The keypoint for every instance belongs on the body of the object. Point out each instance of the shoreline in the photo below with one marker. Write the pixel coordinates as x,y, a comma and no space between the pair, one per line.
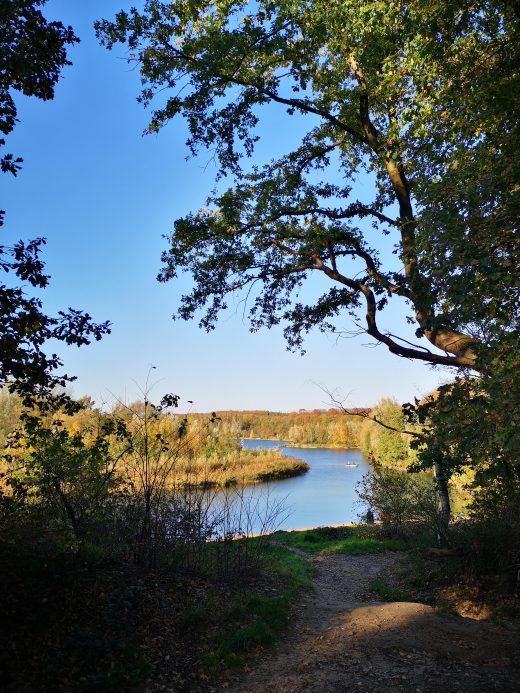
292,468
303,446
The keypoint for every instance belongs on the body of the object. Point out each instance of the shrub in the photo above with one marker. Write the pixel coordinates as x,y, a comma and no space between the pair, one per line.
490,540
403,502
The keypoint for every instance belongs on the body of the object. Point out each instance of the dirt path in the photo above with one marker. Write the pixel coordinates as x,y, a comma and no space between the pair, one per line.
340,639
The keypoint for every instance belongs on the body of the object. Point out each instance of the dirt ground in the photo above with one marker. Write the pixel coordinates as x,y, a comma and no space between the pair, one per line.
341,639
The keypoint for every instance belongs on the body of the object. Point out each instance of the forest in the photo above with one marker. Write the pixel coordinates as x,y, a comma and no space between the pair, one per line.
129,558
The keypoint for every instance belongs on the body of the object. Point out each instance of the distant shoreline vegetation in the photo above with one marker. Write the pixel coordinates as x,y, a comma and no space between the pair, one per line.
205,450
317,428
332,429
291,444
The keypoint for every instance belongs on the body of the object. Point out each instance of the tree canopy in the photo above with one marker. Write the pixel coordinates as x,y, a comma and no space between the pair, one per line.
32,55
420,98
25,329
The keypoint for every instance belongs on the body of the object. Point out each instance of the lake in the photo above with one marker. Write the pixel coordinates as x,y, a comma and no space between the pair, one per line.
325,495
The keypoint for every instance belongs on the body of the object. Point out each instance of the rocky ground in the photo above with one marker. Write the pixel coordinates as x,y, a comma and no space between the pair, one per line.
341,639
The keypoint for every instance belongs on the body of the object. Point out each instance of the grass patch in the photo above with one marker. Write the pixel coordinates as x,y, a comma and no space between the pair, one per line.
114,626
238,623
387,592
354,540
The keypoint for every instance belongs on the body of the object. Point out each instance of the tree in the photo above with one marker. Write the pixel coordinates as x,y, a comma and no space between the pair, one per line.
10,410
470,423
32,54
385,443
67,475
419,97
25,328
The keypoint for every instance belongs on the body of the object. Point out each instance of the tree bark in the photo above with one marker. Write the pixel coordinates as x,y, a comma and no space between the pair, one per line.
444,498
447,340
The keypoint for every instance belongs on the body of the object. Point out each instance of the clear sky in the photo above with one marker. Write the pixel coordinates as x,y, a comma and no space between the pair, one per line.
103,196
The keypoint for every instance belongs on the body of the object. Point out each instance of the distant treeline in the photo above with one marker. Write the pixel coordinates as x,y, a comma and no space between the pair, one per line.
217,435
329,428
322,428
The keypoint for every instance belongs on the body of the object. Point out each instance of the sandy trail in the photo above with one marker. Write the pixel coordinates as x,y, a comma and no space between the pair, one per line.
340,639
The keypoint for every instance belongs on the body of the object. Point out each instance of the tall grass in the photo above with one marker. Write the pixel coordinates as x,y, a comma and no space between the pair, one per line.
235,468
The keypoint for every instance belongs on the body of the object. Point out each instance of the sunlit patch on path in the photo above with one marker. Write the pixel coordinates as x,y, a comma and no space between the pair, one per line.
341,639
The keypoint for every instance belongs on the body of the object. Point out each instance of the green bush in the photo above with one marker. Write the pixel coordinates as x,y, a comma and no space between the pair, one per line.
490,540
404,502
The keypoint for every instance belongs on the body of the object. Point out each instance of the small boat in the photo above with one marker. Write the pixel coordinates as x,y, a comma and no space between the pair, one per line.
352,464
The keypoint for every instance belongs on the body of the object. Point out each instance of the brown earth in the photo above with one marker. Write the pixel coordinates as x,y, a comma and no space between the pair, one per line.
341,639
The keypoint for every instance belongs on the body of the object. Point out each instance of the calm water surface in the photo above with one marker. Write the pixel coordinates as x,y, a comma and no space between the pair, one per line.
325,495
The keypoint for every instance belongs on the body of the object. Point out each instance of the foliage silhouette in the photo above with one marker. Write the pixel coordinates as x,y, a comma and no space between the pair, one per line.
433,137
32,55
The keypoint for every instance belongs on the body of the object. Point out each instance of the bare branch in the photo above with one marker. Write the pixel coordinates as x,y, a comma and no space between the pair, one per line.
339,404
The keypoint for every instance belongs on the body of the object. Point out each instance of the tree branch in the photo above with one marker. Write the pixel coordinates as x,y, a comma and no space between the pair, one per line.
299,104
365,415
447,340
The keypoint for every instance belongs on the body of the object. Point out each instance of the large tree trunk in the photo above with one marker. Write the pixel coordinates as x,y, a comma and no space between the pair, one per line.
450,341
444,497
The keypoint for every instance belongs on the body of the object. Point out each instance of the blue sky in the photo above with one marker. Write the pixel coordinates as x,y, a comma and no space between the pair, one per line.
103,196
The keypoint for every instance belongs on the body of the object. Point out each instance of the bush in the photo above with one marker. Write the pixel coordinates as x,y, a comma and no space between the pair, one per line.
403,502
490,540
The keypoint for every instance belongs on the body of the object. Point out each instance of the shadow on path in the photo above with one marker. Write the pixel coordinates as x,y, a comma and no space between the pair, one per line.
340,639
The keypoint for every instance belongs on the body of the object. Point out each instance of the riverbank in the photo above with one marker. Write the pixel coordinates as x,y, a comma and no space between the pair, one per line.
303,446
